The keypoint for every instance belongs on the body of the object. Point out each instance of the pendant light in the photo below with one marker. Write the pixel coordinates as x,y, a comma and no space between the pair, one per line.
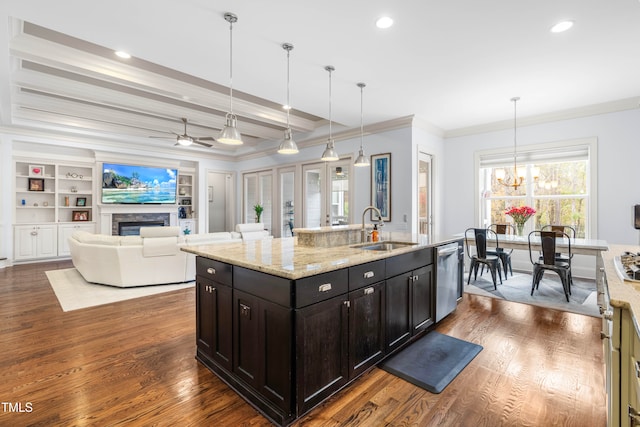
362,160
288,145
229,134
516,179
329,154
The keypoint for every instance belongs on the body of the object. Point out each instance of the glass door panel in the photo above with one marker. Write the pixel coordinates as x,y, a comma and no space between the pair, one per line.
340,201
287,193
313,181
424,193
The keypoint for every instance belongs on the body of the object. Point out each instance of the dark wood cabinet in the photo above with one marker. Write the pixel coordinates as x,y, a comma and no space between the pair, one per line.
367,319
410,297
213,320
286,345
262,349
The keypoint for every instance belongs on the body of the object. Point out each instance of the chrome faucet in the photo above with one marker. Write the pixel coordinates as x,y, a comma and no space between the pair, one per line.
363,231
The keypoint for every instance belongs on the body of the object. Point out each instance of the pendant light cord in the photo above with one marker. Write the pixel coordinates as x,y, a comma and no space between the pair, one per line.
361,120
330,69
288,103
515,170
231,66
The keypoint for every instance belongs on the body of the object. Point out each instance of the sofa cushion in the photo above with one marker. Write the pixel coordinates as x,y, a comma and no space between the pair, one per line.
198,239
244,228
254,235
130,241
96,239
159,246
159,231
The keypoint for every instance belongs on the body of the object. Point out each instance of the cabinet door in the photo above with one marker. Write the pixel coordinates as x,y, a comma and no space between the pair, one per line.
398,295
65,231
213,321
422,299
366,327
247,360
25,242
47,241
322,351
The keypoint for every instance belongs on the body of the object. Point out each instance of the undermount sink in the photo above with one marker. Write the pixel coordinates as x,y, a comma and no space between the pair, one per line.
383,246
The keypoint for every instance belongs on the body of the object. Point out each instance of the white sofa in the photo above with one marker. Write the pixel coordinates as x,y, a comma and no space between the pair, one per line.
252,231
152,258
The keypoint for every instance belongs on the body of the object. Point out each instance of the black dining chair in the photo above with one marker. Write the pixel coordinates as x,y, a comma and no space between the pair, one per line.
548,261
561,230
502,253
482,237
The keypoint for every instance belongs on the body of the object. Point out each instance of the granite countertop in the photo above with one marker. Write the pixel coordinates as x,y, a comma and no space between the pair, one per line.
623,293
283,257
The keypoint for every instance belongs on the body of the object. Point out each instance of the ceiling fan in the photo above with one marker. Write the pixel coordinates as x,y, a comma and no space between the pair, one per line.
185,139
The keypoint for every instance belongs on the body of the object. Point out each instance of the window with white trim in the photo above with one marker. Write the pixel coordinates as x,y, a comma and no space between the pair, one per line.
562,192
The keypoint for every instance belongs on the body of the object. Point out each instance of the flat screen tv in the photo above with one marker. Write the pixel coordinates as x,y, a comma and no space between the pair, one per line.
132,184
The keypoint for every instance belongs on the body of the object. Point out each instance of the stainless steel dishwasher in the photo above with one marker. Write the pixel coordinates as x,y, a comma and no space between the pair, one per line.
447,279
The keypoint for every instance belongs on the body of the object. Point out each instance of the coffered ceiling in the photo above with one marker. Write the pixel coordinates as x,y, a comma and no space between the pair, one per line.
453,64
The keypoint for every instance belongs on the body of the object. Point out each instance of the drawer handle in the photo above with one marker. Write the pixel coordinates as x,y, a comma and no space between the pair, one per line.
368,291
211,270
369,274
245,310
324,288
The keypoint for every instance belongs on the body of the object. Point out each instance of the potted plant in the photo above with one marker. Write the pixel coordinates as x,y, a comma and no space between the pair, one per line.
258,209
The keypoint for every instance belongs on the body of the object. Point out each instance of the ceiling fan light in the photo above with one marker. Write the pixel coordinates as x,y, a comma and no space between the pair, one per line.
229,134
329,154
362,160
185,140
288,145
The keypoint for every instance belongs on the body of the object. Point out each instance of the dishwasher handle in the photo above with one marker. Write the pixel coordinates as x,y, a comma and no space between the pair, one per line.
446,251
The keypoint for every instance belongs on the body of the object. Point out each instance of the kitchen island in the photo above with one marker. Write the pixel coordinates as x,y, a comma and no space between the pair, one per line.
287,326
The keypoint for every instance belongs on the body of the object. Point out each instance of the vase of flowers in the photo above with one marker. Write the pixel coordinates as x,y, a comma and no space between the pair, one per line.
520,216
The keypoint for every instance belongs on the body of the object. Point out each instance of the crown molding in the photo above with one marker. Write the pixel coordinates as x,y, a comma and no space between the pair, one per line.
573,113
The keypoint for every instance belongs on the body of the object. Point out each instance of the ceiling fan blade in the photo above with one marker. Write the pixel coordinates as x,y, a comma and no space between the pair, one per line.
197,141
206,138
162,137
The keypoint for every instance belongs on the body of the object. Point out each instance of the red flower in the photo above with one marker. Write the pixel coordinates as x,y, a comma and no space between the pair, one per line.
521,214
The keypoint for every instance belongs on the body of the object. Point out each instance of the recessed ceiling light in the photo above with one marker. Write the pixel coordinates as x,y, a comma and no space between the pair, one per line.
123,54
561,26
384,22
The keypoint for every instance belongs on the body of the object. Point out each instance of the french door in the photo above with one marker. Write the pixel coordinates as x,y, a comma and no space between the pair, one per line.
425,220
327,193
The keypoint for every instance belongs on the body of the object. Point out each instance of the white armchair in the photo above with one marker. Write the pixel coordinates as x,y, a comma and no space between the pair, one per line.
253,231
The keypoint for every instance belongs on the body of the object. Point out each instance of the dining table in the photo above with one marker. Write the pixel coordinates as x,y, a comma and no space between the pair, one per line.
592,247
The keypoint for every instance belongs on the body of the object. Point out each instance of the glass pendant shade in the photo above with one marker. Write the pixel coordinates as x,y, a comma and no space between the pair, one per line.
329,154
288,145
361,160
229,134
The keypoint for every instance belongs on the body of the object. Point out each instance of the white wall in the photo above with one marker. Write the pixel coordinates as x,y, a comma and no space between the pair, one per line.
618,137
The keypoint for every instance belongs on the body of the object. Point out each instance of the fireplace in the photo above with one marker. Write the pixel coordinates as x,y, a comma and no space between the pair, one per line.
132,228
131,222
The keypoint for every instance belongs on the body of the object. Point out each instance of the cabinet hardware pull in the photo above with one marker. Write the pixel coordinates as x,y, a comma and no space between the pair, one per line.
211,270
34,233
347,303
206,288
607,315
604,336
637,369
212,289
324,288
369,274
245,310
368,291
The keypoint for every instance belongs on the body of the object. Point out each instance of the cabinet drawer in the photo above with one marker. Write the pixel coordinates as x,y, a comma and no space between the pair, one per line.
366,274
263,285
410,261
310,290
214,270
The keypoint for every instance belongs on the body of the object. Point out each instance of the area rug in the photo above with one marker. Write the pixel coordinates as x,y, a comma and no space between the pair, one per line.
74,293
583,298
433,361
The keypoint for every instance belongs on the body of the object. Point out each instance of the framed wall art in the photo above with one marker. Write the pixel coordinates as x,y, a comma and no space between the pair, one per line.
81,201
381,185
36,184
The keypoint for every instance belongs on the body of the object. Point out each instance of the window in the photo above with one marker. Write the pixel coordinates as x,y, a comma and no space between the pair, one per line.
562,193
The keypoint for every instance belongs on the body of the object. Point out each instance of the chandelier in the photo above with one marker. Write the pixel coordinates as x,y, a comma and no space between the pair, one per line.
515,178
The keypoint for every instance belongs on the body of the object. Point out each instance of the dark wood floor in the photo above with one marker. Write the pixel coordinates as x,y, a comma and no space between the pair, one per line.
132,363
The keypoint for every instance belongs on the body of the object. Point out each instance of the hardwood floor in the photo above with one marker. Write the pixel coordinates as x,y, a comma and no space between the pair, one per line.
132,363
